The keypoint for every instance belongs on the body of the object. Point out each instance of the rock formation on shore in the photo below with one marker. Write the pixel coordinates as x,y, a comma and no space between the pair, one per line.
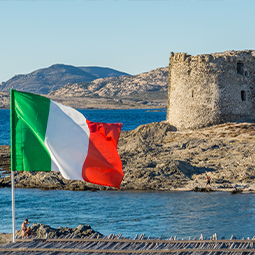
45,231
157,158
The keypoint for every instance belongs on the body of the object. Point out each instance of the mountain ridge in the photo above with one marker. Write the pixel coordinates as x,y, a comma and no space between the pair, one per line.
51,78
122,86
145,90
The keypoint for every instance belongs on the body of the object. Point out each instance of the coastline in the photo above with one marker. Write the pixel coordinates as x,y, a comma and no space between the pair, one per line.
155,157
45,231
102,103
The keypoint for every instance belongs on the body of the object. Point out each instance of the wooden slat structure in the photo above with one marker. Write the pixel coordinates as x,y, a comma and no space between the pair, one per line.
112,244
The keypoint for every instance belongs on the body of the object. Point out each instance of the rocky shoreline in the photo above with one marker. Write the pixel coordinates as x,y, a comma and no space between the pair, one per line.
45,231
155,157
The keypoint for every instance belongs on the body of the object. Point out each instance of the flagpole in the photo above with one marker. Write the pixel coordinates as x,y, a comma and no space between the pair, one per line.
13,208
12,163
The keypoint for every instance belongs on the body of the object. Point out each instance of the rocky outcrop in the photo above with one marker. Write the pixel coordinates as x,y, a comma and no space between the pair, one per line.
155,157
5,159
45,231
4,100
45,181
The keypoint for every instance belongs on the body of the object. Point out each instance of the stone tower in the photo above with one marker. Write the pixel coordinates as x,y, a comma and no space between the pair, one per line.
211,89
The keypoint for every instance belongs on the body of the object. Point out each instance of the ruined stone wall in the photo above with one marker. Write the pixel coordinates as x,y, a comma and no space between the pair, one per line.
211,89
237,86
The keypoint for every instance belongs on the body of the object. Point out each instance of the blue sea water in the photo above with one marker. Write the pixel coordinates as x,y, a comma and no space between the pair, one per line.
131,119
165,214
4,127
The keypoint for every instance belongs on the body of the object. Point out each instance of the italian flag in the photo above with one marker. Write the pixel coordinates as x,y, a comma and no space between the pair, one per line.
48,136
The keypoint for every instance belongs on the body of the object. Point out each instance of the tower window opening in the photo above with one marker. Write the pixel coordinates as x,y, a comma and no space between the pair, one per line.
240,68
192,93
243,95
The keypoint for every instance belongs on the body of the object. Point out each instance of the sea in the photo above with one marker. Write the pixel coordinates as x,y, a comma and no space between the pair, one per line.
130,118
184,215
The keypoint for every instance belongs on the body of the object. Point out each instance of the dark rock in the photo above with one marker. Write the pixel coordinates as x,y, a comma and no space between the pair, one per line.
43,231
236,191
197,189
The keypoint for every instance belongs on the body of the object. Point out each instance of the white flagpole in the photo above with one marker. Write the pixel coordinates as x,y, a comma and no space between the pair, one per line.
12,167
13,207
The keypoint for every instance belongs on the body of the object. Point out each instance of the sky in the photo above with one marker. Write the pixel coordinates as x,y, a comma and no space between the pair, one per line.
132,36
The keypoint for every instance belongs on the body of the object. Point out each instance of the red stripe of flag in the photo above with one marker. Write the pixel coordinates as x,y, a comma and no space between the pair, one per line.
103,165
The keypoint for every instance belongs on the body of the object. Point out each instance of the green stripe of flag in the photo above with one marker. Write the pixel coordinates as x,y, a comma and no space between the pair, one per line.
29,117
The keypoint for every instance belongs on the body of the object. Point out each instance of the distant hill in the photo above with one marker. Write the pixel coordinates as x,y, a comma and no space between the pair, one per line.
45,80
154,83
145,90
102,72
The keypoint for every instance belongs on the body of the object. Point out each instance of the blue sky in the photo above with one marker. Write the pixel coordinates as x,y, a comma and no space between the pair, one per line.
128,35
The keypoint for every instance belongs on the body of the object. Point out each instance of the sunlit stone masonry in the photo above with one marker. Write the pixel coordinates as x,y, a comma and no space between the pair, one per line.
211,89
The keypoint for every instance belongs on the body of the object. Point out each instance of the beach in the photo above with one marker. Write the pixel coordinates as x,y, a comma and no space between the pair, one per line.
5,238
